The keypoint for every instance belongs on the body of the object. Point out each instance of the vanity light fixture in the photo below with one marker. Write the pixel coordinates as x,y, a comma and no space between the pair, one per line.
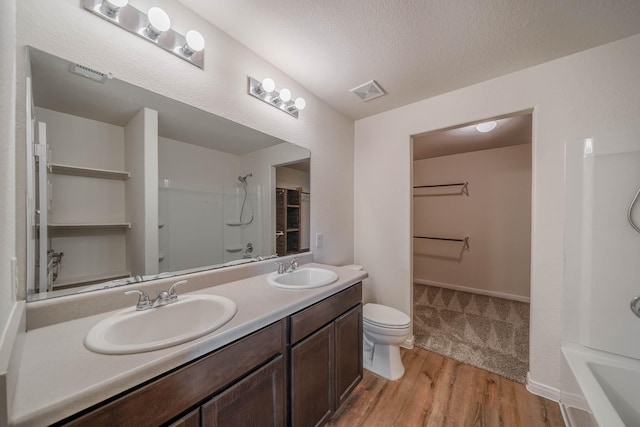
154,26
486,126
266,92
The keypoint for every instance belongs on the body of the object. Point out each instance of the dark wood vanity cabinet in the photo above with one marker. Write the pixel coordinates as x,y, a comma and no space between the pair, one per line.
257,400
326,356
308,362
162,401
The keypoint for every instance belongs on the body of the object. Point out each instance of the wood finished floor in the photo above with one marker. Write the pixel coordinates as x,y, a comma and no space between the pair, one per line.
438,391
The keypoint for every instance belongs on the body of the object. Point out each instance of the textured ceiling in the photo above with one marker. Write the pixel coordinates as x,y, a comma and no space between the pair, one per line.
415,49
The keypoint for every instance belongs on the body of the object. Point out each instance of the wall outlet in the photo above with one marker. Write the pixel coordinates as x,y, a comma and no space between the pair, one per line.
319,240
14,277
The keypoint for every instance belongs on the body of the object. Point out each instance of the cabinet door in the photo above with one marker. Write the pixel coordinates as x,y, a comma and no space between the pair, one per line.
348,353
192,419
257,400
312,371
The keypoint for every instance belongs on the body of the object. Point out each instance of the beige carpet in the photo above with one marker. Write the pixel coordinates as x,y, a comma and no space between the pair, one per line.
487,332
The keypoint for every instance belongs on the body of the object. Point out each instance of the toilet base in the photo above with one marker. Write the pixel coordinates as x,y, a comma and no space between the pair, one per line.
386,362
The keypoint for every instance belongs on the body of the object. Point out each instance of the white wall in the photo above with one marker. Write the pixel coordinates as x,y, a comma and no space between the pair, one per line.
495,215
7,161
573,97
7,190
65,29
141,161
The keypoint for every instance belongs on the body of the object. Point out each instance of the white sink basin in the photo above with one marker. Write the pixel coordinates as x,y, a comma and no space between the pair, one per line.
303,278
131,331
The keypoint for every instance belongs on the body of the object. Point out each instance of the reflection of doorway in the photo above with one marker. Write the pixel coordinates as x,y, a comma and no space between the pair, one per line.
471,247
292,208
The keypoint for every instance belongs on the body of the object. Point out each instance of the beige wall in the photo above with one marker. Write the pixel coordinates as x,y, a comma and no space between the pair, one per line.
495,215
595,91
65,29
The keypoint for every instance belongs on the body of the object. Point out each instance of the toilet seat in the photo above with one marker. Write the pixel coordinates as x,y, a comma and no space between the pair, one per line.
384,316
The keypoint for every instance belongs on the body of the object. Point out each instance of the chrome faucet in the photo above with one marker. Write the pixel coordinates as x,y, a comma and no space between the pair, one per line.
284,268
163,298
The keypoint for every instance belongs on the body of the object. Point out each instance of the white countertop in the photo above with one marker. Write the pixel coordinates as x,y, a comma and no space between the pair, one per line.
59,377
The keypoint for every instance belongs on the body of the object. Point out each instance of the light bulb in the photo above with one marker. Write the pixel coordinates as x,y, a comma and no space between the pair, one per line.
285,95
486,126
117,3
195,43
112,7
300,103
268,85
158,22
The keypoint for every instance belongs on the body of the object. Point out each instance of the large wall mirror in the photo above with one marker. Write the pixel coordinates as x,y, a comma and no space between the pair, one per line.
125,185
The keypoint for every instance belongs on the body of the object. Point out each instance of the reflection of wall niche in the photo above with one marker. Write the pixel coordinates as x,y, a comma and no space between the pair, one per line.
281,224
90,218
288,220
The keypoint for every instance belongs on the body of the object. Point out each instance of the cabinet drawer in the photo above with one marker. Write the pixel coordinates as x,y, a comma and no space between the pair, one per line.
313,318
160,400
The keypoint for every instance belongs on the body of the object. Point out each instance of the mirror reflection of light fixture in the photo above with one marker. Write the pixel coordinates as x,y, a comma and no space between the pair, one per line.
486,126
159,22
265,91
154,26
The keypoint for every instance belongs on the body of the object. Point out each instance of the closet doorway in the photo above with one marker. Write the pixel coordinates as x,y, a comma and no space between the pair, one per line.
472,243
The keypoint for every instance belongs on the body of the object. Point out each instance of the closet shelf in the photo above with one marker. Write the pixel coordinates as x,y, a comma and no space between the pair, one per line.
88,172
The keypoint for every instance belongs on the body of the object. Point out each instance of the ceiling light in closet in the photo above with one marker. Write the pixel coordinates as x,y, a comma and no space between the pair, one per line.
486,126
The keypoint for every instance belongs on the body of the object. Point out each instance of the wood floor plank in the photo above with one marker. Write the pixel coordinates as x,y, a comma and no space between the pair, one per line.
437,391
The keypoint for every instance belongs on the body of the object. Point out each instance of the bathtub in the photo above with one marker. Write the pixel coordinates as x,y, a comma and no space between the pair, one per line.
610,384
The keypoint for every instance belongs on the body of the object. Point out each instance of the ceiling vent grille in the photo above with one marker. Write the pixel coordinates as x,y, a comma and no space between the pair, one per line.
88,73
368,91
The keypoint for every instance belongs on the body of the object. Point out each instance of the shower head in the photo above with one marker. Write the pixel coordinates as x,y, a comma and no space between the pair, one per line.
243,179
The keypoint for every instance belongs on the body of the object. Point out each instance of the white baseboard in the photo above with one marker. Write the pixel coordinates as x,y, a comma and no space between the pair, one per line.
472,290
543,390
408,343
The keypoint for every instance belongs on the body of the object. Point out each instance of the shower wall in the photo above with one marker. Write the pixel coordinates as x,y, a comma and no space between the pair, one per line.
601,269
200,199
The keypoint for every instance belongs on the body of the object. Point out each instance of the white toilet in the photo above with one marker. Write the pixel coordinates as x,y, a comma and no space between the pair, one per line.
385,328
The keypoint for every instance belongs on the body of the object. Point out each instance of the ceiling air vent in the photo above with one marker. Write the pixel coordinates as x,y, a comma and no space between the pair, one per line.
368,91
89,73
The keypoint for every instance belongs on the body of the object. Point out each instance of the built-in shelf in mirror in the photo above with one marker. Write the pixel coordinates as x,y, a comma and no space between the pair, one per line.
88,172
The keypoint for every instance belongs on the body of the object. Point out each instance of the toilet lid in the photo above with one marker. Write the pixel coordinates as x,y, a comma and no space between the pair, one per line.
354,267
382,315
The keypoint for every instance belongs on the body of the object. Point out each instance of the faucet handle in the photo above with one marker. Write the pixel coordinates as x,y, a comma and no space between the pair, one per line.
144,302
172,290
281,267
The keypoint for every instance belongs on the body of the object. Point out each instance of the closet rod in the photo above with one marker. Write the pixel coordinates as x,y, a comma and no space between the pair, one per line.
464,184
465,240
